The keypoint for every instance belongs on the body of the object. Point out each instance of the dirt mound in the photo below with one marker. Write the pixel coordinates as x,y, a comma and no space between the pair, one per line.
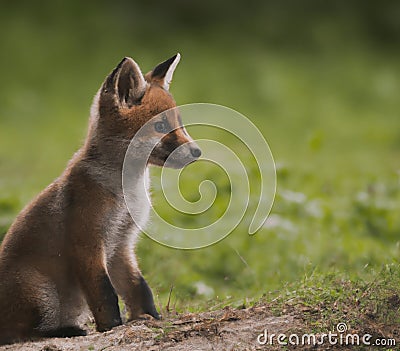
226,329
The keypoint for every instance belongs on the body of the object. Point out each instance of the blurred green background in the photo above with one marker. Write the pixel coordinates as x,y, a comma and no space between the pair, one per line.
321,79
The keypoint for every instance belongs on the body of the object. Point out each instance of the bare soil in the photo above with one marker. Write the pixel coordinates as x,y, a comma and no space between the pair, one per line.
225,329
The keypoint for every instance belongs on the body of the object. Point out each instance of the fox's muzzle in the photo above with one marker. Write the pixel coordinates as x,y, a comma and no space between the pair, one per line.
181,155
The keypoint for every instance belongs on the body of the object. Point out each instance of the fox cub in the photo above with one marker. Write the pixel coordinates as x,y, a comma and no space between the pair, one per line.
72,248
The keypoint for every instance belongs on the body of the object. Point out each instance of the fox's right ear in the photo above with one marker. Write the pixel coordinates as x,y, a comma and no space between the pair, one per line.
126,83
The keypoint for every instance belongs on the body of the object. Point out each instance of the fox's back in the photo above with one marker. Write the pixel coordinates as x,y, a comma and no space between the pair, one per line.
33,231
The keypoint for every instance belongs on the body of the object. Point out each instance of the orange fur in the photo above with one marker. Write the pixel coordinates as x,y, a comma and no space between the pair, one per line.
71,249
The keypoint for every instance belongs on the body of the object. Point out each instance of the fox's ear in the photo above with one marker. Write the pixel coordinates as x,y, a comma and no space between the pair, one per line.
126,83
162,73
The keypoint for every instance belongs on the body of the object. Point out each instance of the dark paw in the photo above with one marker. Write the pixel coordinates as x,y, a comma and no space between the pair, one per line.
105,327
64,332
148,306
154,314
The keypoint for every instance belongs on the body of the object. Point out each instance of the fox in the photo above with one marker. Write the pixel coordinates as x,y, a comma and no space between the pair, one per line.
71,251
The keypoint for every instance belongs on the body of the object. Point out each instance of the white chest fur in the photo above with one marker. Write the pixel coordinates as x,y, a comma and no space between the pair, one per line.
131,216
137,199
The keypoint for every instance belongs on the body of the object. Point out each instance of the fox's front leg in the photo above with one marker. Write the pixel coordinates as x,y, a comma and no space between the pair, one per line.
131,286
99,292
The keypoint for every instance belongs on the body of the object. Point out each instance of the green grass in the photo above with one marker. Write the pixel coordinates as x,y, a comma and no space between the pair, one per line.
335,143
329,114
325,300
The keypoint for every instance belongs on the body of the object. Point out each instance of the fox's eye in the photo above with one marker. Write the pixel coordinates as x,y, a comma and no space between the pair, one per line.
161,127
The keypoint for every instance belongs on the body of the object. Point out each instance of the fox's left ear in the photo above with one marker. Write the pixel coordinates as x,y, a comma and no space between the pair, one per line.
163,72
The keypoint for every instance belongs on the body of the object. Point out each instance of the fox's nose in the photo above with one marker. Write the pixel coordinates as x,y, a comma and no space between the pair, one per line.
195,151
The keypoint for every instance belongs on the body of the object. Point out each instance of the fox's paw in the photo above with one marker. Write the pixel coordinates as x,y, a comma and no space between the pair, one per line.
105,327
64,332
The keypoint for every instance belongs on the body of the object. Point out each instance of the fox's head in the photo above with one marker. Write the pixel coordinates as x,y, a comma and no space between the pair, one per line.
128,102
